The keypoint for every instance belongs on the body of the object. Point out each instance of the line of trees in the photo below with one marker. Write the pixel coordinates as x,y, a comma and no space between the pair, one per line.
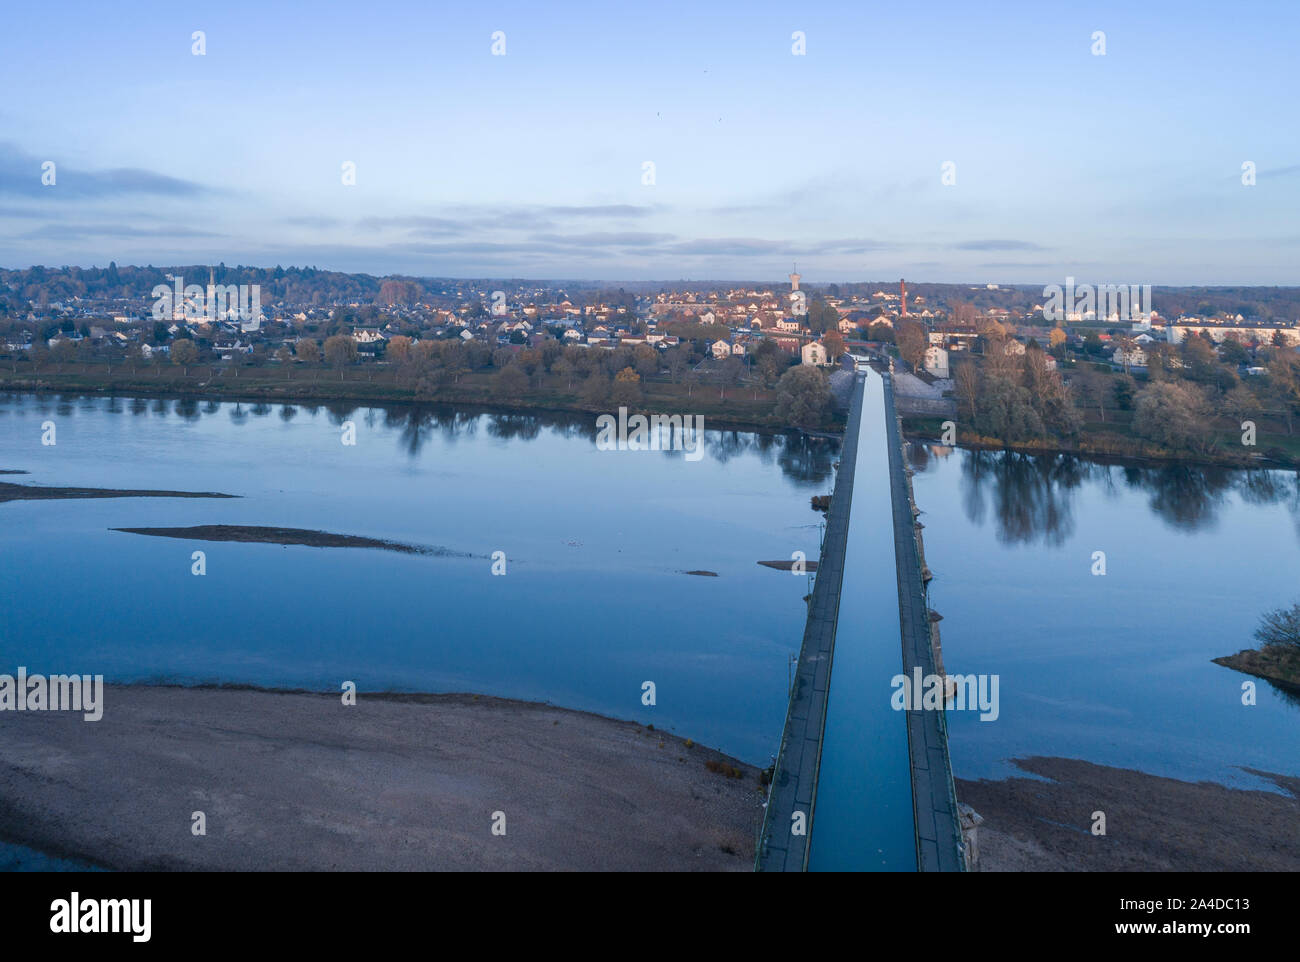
1187,389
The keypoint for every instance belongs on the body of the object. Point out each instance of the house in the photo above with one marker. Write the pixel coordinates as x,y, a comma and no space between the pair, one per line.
228,349
1134,357
936,361
788,344
721,349
814,352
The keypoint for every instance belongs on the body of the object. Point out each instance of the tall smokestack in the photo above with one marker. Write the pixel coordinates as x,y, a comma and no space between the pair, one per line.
902,289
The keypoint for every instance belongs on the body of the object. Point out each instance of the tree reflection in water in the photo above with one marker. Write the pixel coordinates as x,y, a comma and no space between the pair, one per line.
801,458
1032,495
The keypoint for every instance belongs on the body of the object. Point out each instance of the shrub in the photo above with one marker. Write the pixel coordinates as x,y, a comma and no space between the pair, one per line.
1280,628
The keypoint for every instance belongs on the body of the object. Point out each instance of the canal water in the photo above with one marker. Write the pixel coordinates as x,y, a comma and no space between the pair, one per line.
863,818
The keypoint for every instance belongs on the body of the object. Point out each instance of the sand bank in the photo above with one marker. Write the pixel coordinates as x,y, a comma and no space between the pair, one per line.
299,781
1153,824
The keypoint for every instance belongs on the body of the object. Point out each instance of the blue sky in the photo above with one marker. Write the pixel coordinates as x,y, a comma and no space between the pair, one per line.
1122,168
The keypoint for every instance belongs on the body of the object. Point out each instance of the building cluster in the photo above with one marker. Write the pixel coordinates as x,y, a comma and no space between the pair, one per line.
730,323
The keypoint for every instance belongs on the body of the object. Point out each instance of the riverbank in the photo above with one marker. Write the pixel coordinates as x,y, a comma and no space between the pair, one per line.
1153,824
296,780
1103,447
731,408
1275,664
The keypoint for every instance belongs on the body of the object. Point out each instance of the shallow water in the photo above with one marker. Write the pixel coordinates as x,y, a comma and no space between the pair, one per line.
593,603
1115,668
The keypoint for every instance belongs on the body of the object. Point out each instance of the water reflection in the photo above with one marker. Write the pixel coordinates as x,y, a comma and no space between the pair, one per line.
1288,695
801,458
1031,496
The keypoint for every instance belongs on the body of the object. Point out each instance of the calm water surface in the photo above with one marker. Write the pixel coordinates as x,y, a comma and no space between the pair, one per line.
1114,669
593,604
865,766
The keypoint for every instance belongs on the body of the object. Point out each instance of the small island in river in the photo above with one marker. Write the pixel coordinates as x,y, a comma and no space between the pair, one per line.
256,534
1274,664
40,492
1277,658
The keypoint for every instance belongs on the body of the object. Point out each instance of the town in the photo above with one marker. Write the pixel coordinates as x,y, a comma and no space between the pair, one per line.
1003,362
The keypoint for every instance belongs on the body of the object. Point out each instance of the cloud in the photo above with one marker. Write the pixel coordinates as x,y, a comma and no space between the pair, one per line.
750,246
470,219
602,238
113,230
20,175
314,222
424,225
600,210
998,245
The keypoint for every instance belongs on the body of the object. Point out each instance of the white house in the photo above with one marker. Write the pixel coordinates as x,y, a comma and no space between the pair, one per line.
936,361
721,349
1135,357
814,352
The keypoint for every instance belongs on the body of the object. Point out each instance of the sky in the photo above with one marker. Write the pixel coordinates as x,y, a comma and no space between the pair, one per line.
1124,167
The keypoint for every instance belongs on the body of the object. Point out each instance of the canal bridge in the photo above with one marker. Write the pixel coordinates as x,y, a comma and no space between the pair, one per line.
857,784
